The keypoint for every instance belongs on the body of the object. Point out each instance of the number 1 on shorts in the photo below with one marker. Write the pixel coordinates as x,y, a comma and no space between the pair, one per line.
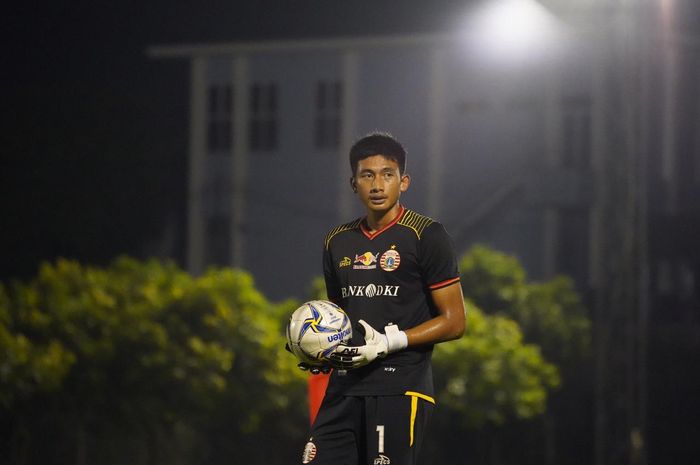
380,438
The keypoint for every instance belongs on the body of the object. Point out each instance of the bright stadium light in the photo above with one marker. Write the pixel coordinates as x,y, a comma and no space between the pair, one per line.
512,29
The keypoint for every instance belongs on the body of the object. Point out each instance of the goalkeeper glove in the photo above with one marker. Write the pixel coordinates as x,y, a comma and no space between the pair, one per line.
377,345
313,369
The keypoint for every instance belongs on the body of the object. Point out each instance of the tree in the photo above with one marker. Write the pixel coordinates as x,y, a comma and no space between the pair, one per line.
490,375
27,368
265,401
107,359
493,280
551,316
487,379
550,313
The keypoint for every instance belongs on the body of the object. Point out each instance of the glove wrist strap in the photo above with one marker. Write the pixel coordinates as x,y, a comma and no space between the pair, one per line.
396,339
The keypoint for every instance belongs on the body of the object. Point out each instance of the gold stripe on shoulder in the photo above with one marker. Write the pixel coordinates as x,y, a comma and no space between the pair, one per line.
415,221
343,227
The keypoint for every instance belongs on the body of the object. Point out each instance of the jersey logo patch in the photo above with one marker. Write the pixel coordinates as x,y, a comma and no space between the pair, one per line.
382,460
390,260
367,261
370,290
344,262
309,452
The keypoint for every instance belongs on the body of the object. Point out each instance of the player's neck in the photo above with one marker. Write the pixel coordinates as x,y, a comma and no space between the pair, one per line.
378,220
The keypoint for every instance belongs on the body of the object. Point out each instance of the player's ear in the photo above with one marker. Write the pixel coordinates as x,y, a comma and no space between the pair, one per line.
405,182
353,184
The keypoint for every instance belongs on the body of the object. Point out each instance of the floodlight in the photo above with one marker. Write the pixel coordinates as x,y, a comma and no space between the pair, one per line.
512,29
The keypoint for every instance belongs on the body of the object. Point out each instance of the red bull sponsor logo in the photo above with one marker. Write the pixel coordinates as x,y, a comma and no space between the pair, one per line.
366,261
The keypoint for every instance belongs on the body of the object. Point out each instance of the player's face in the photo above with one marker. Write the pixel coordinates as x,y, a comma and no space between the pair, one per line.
379,183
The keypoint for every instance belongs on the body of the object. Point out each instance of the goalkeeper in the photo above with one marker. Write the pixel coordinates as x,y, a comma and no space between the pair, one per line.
395,273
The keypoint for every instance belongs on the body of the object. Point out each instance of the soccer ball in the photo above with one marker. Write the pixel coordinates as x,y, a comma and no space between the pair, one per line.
315,329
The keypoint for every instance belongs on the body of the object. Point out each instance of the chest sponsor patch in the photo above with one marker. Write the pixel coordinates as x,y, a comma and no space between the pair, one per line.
370,290
344,262
390,260
366,261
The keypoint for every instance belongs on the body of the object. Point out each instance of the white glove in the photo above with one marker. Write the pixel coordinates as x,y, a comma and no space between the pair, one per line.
377,345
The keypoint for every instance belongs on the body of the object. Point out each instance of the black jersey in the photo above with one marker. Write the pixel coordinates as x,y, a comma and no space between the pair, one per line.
386,277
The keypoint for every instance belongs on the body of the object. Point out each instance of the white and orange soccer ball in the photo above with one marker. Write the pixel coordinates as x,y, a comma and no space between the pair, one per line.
315,329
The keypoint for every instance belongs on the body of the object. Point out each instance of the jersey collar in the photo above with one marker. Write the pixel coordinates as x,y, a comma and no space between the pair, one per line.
371,235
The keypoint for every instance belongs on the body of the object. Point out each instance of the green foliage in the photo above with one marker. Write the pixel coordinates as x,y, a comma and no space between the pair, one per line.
524,341
553,316
554,322
254,334
145,347
489,375
318,289
493,280
27,367
550,313
138,351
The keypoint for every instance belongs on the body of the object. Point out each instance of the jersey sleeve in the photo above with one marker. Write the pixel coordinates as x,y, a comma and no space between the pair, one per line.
329,275
437,258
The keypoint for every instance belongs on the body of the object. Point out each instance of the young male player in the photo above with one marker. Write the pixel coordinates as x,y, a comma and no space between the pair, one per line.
395,273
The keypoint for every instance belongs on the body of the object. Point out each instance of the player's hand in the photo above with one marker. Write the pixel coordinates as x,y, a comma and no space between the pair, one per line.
377,345
313,369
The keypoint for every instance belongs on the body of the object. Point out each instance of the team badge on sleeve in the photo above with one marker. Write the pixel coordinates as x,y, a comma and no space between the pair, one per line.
390,260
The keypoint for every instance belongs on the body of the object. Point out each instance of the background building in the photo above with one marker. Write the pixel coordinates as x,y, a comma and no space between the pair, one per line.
498,158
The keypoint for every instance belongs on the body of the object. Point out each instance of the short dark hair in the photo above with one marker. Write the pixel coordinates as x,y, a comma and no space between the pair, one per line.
378,143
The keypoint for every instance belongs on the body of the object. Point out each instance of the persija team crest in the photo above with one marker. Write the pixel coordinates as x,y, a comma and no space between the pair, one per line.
309,452
366,261
390,260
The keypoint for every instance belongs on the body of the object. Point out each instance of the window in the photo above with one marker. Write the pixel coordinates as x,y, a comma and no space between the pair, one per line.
219,124
329,103
263,117
577,133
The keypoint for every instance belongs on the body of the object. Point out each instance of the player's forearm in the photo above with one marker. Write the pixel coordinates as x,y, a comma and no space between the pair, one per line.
442,328
450,322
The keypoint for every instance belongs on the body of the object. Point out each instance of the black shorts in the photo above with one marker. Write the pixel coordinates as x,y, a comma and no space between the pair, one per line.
371,430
